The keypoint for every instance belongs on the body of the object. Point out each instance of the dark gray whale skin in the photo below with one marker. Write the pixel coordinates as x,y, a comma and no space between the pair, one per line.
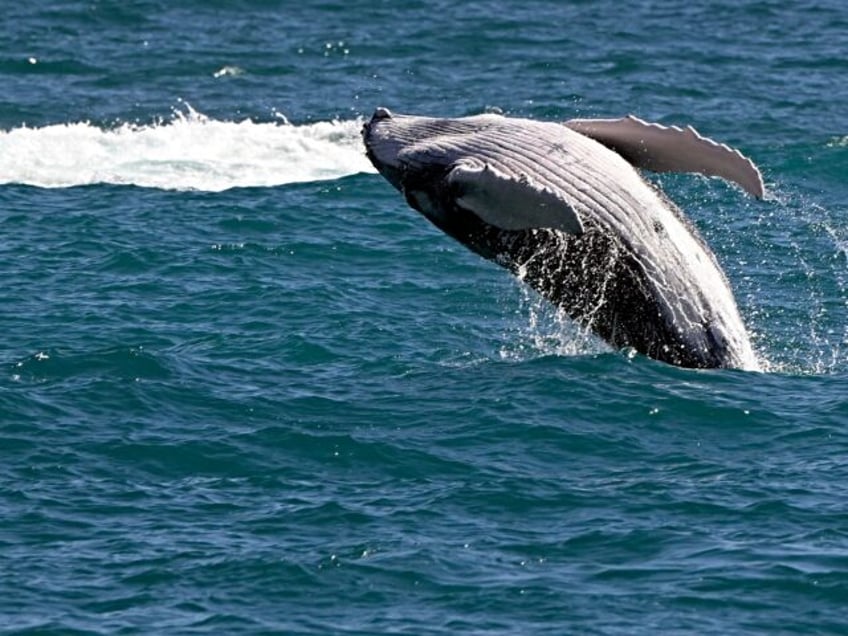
599,273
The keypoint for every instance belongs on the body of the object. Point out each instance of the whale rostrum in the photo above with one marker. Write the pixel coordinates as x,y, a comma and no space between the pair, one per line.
563,206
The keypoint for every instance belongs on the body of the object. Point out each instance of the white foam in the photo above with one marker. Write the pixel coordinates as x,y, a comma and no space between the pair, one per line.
189,152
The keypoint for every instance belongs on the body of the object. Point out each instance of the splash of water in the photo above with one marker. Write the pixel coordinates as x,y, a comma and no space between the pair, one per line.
188,152
545,330
802,329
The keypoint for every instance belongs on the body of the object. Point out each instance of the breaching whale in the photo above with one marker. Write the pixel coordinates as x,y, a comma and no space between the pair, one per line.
563,206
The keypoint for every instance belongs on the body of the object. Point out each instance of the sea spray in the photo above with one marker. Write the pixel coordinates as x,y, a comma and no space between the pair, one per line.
188,152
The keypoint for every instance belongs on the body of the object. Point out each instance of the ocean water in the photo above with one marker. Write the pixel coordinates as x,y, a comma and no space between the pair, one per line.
244,389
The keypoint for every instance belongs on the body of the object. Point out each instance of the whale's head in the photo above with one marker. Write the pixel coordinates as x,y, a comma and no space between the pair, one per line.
407,149
417,154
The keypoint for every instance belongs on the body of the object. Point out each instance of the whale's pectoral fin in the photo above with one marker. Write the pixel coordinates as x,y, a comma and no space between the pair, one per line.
671,149
510,202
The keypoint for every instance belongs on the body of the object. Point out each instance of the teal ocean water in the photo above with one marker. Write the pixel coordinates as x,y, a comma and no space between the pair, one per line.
244,389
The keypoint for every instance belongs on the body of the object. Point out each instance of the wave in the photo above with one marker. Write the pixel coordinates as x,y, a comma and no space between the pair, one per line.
188,152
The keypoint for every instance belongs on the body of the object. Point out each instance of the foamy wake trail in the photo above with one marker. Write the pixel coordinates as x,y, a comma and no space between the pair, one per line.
189,152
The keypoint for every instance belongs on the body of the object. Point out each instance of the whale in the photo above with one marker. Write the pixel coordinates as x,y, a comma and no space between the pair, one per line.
564,206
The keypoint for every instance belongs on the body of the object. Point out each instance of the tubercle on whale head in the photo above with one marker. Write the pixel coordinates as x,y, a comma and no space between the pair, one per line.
379,115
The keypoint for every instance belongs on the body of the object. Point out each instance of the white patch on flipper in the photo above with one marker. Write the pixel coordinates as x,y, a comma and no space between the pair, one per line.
672,149
509,202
